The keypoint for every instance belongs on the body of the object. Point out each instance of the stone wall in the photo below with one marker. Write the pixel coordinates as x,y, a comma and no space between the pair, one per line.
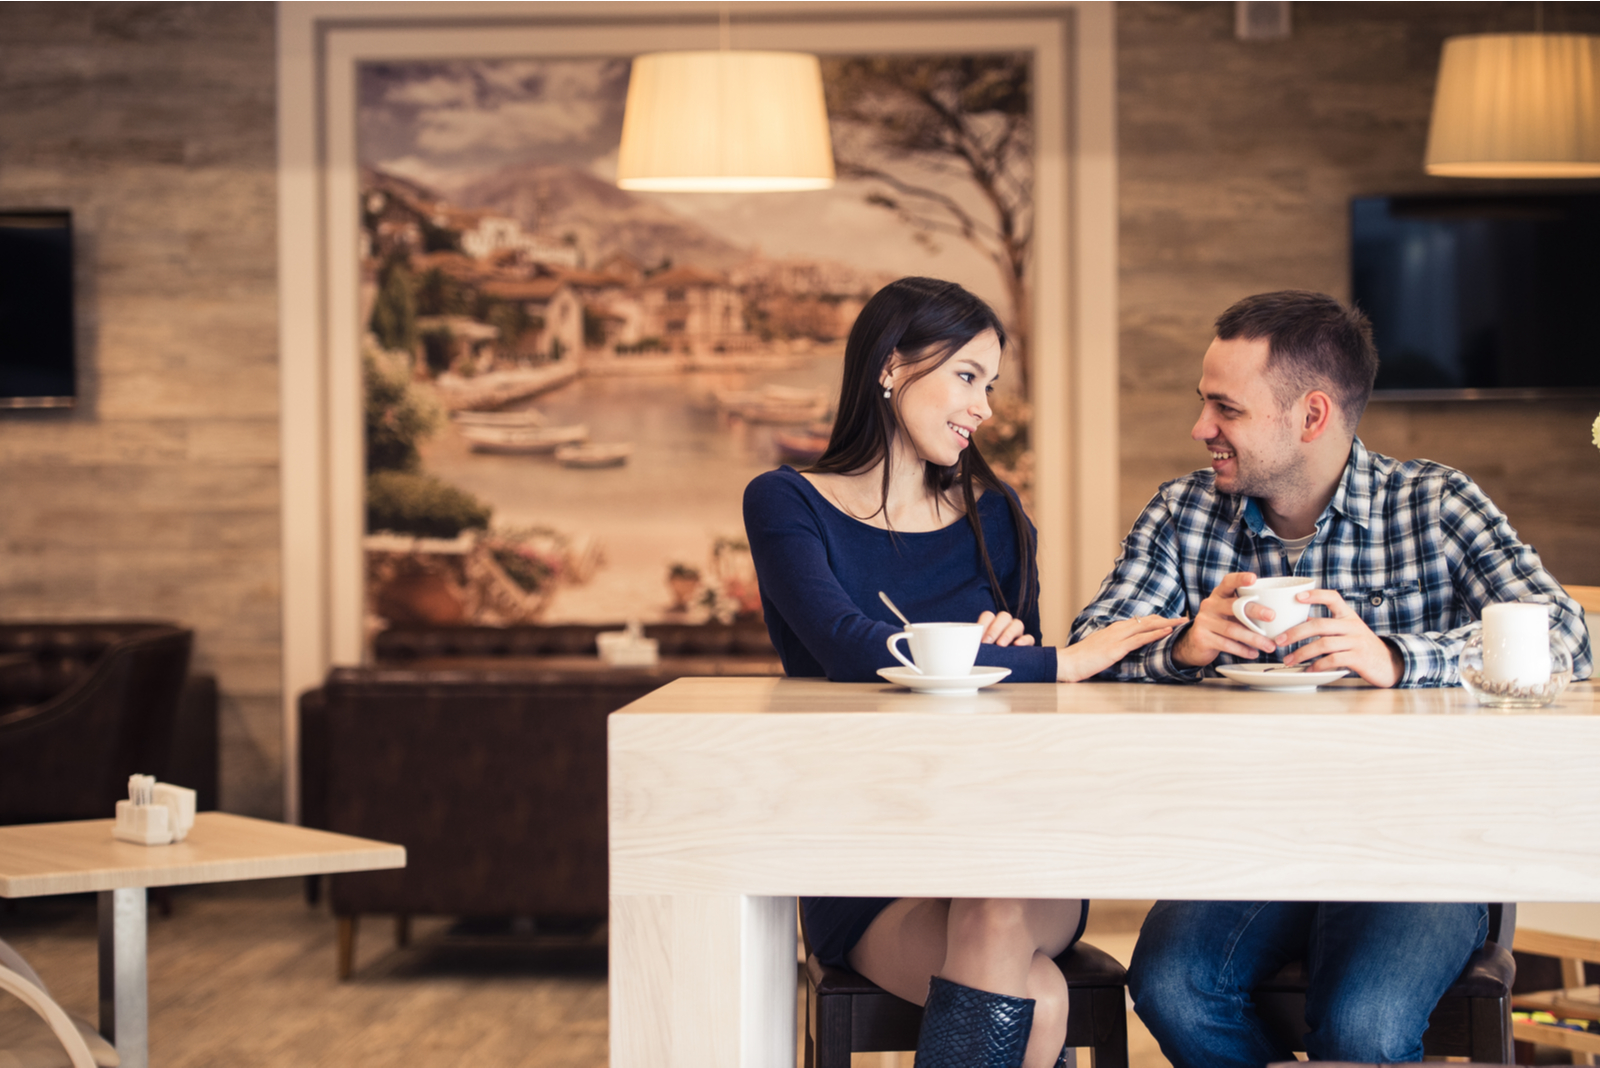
158,496
1237,162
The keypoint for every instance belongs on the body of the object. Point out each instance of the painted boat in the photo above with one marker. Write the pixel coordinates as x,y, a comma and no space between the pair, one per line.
775,404
517,439
614,454
500,419
801,446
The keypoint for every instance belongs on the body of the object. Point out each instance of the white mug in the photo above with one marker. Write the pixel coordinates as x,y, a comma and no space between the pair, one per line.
939,649
1516,643
1279,595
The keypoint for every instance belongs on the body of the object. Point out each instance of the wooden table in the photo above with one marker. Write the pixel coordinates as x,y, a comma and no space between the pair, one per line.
729,797
71,858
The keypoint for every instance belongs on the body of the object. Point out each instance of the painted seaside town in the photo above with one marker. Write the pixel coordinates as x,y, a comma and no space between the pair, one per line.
569,385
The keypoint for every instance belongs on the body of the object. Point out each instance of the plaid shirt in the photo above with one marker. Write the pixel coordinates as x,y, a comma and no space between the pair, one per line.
1416,548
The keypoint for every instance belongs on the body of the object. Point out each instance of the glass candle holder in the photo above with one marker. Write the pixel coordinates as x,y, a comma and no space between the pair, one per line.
1493,693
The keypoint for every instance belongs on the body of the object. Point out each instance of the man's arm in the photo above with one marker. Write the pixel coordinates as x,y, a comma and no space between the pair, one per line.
1488,565
1146,580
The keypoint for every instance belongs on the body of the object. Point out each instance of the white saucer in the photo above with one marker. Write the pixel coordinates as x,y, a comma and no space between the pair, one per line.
1277,677
945,684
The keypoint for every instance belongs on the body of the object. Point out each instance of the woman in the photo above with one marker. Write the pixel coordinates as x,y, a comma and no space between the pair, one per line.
902,502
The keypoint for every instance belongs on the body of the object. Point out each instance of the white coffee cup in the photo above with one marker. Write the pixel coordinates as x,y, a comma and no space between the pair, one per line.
939,649
1279,595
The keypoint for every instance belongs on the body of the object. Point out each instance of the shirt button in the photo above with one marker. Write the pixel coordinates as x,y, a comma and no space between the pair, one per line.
1377,599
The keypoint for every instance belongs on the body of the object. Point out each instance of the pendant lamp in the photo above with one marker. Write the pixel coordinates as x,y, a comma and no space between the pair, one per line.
725,121
1517,105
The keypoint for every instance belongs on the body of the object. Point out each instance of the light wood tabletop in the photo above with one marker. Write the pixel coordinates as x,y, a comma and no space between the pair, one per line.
80,856
71,858
729,797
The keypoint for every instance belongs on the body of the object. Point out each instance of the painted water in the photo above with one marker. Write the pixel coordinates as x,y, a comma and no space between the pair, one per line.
680,490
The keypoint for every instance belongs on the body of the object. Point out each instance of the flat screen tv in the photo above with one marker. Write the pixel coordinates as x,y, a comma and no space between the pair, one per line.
1480,296
37,367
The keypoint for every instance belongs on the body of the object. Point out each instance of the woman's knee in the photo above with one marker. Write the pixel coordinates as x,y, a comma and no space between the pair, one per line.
1048,989
996,922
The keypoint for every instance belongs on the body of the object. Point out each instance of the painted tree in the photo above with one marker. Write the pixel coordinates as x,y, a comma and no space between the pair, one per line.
968,117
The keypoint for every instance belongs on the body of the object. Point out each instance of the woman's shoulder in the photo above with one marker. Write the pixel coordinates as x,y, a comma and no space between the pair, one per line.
784,479
780,488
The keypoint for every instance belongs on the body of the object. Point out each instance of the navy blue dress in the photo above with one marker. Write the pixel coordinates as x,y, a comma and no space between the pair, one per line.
820,571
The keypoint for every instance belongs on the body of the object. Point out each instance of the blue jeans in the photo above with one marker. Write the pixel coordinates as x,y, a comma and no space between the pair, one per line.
1376,972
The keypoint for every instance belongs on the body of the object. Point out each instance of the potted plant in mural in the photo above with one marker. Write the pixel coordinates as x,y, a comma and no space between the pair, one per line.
430,555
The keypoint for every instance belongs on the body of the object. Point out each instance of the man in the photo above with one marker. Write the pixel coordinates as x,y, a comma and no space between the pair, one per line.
1405,556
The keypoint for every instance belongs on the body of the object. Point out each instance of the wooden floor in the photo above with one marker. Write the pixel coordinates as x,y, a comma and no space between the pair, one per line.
243,975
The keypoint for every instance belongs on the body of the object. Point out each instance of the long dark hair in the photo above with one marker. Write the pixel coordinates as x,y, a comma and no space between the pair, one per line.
926,321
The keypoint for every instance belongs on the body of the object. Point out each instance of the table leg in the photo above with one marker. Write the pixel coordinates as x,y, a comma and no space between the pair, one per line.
124,990
702,981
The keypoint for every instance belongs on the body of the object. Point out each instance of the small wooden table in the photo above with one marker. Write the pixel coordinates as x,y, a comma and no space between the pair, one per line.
71,858
729,797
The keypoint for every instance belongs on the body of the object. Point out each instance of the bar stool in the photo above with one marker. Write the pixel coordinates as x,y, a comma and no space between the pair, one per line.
847,1013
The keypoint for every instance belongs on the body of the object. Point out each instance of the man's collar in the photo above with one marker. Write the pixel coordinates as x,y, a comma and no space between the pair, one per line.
1352,498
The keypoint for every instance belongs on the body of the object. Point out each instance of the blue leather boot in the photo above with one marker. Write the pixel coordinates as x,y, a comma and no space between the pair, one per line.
967,1028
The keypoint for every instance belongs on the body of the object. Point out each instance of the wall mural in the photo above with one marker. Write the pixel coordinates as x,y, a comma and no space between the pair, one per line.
568,385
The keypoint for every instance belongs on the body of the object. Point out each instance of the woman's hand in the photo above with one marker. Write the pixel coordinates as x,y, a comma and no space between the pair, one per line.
1003,629
1109,644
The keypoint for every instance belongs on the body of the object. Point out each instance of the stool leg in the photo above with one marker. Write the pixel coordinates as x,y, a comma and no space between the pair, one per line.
1110,1049
347,946
833,1032
402,929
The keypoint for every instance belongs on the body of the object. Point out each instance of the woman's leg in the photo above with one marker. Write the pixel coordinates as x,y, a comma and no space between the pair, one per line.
1002,946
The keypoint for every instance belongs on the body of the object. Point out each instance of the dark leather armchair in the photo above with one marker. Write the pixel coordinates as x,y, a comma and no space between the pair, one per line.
85,705
482,750
495,784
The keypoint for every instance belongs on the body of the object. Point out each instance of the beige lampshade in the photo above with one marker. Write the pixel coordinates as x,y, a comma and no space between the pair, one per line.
1517,105
729,121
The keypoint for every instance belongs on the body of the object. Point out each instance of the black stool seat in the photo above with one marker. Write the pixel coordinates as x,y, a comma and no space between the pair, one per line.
847,1013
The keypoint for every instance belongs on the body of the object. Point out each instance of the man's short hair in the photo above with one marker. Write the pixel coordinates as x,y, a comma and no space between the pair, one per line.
1313,342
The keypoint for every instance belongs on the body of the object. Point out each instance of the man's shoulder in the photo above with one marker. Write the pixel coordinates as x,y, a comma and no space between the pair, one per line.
1192,492
1412,477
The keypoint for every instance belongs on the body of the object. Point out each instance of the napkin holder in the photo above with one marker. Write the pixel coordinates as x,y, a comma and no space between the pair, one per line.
627,648
155,813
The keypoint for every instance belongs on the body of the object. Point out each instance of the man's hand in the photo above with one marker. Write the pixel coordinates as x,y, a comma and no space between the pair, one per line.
1003,629
1343,640
1215,630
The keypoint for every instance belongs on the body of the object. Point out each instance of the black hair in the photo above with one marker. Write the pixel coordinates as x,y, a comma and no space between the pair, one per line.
1313,342
926,321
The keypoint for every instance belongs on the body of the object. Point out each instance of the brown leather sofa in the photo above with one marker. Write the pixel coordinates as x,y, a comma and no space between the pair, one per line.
482,750
85,705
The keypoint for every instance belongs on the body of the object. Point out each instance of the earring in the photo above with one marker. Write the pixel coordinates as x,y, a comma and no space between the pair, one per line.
886,391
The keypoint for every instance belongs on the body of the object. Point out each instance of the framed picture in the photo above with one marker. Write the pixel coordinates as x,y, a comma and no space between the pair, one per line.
514,392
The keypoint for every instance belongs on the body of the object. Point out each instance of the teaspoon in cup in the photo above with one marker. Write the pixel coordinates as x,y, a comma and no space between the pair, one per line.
884,597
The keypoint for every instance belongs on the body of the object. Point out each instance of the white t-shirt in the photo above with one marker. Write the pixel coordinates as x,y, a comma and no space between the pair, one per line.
1295,547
